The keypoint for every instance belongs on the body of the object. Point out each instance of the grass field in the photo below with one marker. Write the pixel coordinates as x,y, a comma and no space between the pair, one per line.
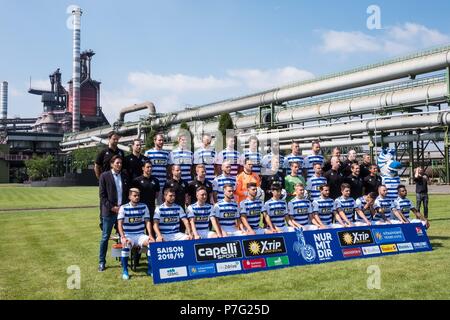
38,246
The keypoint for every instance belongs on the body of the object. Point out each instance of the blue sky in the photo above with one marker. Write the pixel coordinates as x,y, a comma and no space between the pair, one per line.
182,53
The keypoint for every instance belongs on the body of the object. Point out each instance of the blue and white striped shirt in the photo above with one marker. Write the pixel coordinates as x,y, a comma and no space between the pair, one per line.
360,204
292,158
201,215
266,162
252,210
134,218
324,208
160,161
404,206
219,182
169,218
391,184
300,209
347,205
229,155
183,158
277,211
313,184
206,157
385,205
310,161
226,213
256,158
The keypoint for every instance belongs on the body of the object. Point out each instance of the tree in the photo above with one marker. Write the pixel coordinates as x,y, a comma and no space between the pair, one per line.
39,168
225,123
149,139
82,158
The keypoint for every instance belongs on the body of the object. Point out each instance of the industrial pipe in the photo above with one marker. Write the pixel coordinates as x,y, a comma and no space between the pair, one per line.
137,107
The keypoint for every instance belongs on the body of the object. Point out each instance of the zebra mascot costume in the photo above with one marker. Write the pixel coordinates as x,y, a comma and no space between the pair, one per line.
389,171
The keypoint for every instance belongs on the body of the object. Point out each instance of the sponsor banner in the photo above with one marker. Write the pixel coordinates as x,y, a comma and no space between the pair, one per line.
371,250
405,246
230,266
254,263
277,261
353,252
354,238
202,269
387,248
194,259
389,235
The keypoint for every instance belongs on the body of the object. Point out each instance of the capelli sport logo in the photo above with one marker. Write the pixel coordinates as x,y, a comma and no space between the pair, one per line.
218,251
264,247
353,238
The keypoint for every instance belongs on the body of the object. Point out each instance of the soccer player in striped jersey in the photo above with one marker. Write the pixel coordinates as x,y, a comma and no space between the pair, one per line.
133,219
404,206
313,158
299,210
229,154
345,206
183,157
252,154
277,211
295,156
323,210
266,161
226,214
206,156
315,181
220,181
199,215
364,209
166,221
159,159
250,210
383,207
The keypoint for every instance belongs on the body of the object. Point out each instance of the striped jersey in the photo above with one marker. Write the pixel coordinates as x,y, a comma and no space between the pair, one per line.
160,161
313,184
226,213
252,210
292,158
134,218
256,158
183,158
383,204
404,206
207,157
277,211
391,184
229,155
219,182
360,204
310,160
169,218
300,209
266,162
200,214
347,205
324,208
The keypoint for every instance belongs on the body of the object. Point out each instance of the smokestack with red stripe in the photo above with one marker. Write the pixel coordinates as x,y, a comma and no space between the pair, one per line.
76,74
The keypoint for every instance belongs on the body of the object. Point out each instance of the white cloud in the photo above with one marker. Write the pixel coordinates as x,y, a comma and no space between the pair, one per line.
175,92
393,40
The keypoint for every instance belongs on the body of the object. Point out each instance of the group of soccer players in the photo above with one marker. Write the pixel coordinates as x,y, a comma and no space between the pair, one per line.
233,193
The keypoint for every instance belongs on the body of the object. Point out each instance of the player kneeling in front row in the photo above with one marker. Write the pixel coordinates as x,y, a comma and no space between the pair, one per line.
166,221
364,209
345,206
199,215
277,211
323,210
250,210
403,206
384,208
133,218
299,210
225,215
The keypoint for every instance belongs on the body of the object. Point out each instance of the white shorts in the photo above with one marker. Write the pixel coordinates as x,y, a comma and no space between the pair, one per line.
175,236
308,227
334,226
205,234
233,232
417,221
285,229
137,239
360,223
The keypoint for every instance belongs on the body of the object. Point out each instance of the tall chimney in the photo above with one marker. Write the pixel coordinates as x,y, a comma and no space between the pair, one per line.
76,70
4,100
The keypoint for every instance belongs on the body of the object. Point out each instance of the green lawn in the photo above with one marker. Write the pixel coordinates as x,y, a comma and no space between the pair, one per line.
37,247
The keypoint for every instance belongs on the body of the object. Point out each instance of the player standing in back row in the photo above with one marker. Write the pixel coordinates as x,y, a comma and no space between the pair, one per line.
314,157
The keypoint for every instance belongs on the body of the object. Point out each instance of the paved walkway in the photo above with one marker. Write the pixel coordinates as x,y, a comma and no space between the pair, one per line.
432,189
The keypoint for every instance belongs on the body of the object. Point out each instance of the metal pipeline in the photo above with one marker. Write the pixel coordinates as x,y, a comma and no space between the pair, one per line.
137,107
